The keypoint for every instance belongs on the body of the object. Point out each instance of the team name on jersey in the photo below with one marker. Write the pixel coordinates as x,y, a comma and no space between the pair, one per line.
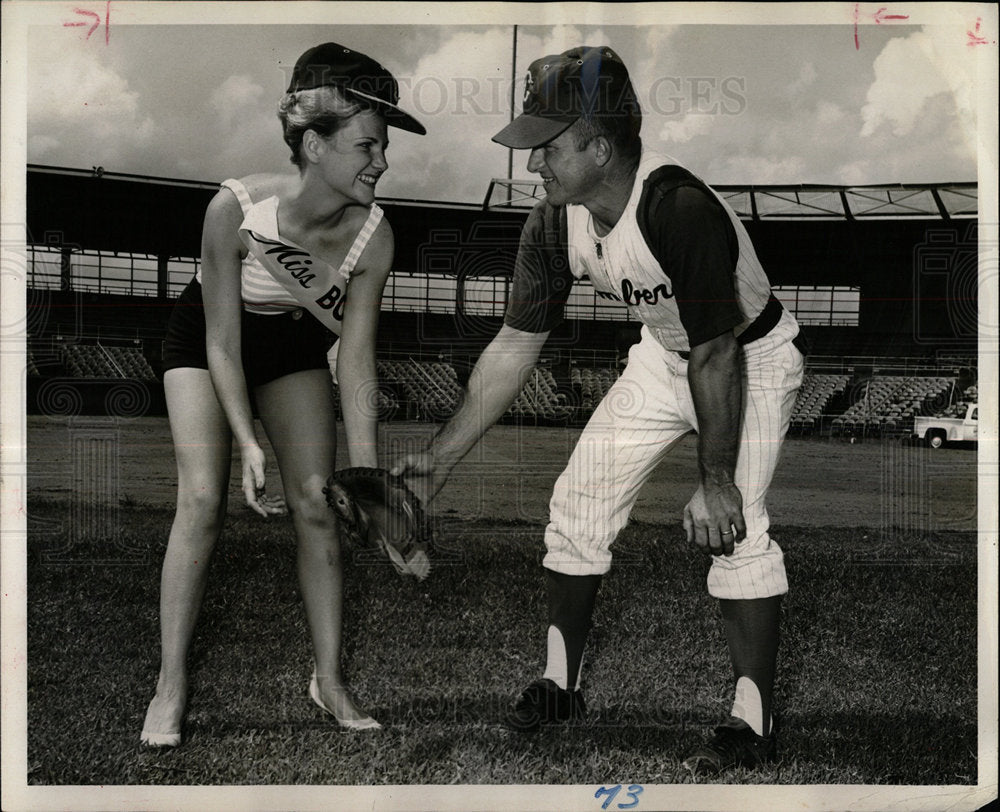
632,295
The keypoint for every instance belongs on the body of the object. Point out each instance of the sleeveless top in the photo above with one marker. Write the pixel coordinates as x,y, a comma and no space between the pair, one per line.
679,257
260,291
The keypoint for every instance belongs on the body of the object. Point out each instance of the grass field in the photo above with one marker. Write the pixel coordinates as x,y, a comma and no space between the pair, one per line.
877,681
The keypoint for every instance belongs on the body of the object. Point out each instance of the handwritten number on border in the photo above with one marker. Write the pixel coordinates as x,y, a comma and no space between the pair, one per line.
93,20
632,792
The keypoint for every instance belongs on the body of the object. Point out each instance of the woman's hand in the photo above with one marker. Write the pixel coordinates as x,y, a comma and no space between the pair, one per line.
254,463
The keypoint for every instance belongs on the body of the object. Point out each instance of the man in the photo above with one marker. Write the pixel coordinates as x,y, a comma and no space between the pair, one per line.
715,356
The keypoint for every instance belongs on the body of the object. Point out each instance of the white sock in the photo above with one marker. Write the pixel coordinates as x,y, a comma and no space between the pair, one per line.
555,667
748,707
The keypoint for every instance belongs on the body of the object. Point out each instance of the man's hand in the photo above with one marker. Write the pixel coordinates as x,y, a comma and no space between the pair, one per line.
422,473
713,519
253,483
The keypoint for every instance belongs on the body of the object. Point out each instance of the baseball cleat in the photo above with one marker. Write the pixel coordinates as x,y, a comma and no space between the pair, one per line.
545,703
733,745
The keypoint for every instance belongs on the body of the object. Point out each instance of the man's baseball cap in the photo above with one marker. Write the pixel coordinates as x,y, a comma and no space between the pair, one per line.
561,88
334,65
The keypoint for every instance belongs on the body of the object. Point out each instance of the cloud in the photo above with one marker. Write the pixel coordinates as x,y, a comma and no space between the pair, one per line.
828,113
39,146
233,97
461,93
785,107
83,112
807,77
756,169
910,73
683,130
239,119
76,99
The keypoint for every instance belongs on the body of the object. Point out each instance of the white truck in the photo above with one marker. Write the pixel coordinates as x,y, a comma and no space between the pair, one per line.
936,431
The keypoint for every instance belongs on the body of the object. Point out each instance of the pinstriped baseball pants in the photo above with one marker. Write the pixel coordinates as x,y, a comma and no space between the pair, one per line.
646,412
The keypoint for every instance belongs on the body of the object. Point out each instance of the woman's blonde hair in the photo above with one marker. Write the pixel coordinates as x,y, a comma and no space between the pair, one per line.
321,109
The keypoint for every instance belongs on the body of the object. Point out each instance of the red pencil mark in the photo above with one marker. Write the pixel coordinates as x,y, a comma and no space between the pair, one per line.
974,37
95,23
97,20
879,17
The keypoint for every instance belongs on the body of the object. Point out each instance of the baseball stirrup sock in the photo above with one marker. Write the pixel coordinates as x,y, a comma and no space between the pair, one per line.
748,706
571,604
556,668
752,633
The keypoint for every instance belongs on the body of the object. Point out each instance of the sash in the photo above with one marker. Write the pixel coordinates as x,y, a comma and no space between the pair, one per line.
320,288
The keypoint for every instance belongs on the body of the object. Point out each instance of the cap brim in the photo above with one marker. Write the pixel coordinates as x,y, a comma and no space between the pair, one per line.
528,132
394,116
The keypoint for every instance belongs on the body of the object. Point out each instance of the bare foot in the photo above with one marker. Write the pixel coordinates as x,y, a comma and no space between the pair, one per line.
164,716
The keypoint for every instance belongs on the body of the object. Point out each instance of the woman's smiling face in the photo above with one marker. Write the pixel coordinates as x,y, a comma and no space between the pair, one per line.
356,156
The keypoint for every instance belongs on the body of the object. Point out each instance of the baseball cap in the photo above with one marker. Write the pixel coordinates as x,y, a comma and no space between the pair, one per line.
334,65
560,88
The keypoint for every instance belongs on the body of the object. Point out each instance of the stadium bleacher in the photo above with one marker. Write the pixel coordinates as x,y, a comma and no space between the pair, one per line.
967,397
97,361
592,384
900,357
32,367
813,399
540,398
837,403
887,404
429,390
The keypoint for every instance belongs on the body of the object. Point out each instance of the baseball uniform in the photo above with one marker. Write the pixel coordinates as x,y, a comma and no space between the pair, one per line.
681,260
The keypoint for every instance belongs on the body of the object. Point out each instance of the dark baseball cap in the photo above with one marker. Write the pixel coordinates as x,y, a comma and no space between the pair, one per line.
560,88
334,65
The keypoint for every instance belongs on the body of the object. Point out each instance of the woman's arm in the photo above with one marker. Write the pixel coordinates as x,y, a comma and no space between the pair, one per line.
221,265
356,371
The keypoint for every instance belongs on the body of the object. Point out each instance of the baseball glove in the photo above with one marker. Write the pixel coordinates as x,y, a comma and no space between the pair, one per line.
378,508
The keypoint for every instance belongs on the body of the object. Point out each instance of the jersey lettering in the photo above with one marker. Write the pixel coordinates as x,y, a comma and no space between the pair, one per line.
633,295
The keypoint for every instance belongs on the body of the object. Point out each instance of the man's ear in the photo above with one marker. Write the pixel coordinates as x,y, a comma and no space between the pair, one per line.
602,150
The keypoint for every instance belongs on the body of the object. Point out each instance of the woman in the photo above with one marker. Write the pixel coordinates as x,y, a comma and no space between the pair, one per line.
278,256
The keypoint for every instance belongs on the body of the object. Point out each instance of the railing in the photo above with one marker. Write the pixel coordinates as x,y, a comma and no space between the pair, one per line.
111,360
847,364
139,275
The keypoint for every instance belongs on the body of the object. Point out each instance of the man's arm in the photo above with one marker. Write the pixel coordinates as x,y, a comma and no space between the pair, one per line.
691,234
713,519
497,379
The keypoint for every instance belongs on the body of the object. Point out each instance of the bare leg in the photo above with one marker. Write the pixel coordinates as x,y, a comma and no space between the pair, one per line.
202,444
298,415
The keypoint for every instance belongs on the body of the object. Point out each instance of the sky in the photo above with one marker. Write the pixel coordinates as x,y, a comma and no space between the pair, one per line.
788,102
748,93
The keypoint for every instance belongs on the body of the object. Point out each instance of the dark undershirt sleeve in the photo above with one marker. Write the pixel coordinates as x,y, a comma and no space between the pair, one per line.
542,279
694,240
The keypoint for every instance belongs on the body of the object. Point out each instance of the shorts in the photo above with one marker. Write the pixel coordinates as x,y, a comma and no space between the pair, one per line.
272,345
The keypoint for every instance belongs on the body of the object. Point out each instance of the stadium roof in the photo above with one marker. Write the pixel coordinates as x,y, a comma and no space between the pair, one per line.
933,201
936,201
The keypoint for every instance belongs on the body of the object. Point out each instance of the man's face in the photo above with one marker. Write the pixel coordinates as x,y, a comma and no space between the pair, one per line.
570,175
